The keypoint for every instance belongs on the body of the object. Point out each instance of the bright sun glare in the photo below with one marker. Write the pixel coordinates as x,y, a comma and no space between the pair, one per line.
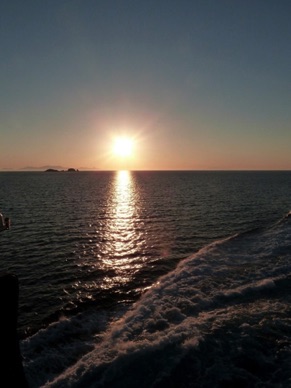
123,146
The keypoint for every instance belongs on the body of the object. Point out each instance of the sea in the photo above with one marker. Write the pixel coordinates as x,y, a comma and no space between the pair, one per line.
141,279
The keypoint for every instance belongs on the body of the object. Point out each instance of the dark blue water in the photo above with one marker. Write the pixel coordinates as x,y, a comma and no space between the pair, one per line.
151,279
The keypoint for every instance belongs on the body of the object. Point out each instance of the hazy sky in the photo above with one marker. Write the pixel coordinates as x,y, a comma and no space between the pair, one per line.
198,84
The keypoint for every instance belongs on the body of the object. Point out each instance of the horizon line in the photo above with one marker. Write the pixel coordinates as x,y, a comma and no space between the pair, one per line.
133,170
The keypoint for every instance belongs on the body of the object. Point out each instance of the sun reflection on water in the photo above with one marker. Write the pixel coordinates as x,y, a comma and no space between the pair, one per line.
123,197
122,236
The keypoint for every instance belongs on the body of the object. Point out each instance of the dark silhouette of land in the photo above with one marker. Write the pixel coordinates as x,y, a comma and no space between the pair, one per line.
68,170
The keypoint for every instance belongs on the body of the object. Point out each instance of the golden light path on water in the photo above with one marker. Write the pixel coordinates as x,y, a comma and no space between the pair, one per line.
116,246
123,239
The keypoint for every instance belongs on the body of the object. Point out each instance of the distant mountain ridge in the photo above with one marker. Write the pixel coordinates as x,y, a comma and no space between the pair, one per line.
47,167
31,168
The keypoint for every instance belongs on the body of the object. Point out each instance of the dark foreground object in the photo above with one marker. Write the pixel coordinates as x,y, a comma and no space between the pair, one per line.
11,368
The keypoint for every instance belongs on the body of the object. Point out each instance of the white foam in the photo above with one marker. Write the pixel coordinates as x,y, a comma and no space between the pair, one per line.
204,293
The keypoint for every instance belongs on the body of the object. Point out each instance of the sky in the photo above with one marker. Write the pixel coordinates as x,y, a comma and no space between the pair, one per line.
196,84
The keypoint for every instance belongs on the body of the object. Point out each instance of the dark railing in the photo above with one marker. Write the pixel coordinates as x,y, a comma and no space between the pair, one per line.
11,367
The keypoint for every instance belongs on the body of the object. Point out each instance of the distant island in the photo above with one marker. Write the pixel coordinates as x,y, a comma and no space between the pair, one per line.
68,170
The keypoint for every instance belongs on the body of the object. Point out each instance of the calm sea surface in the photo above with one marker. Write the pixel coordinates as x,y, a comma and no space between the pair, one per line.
151,279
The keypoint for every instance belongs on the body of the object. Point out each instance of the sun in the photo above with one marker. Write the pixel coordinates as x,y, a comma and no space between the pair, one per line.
123,147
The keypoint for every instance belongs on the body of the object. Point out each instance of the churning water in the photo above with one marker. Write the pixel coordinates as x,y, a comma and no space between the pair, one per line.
151,279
